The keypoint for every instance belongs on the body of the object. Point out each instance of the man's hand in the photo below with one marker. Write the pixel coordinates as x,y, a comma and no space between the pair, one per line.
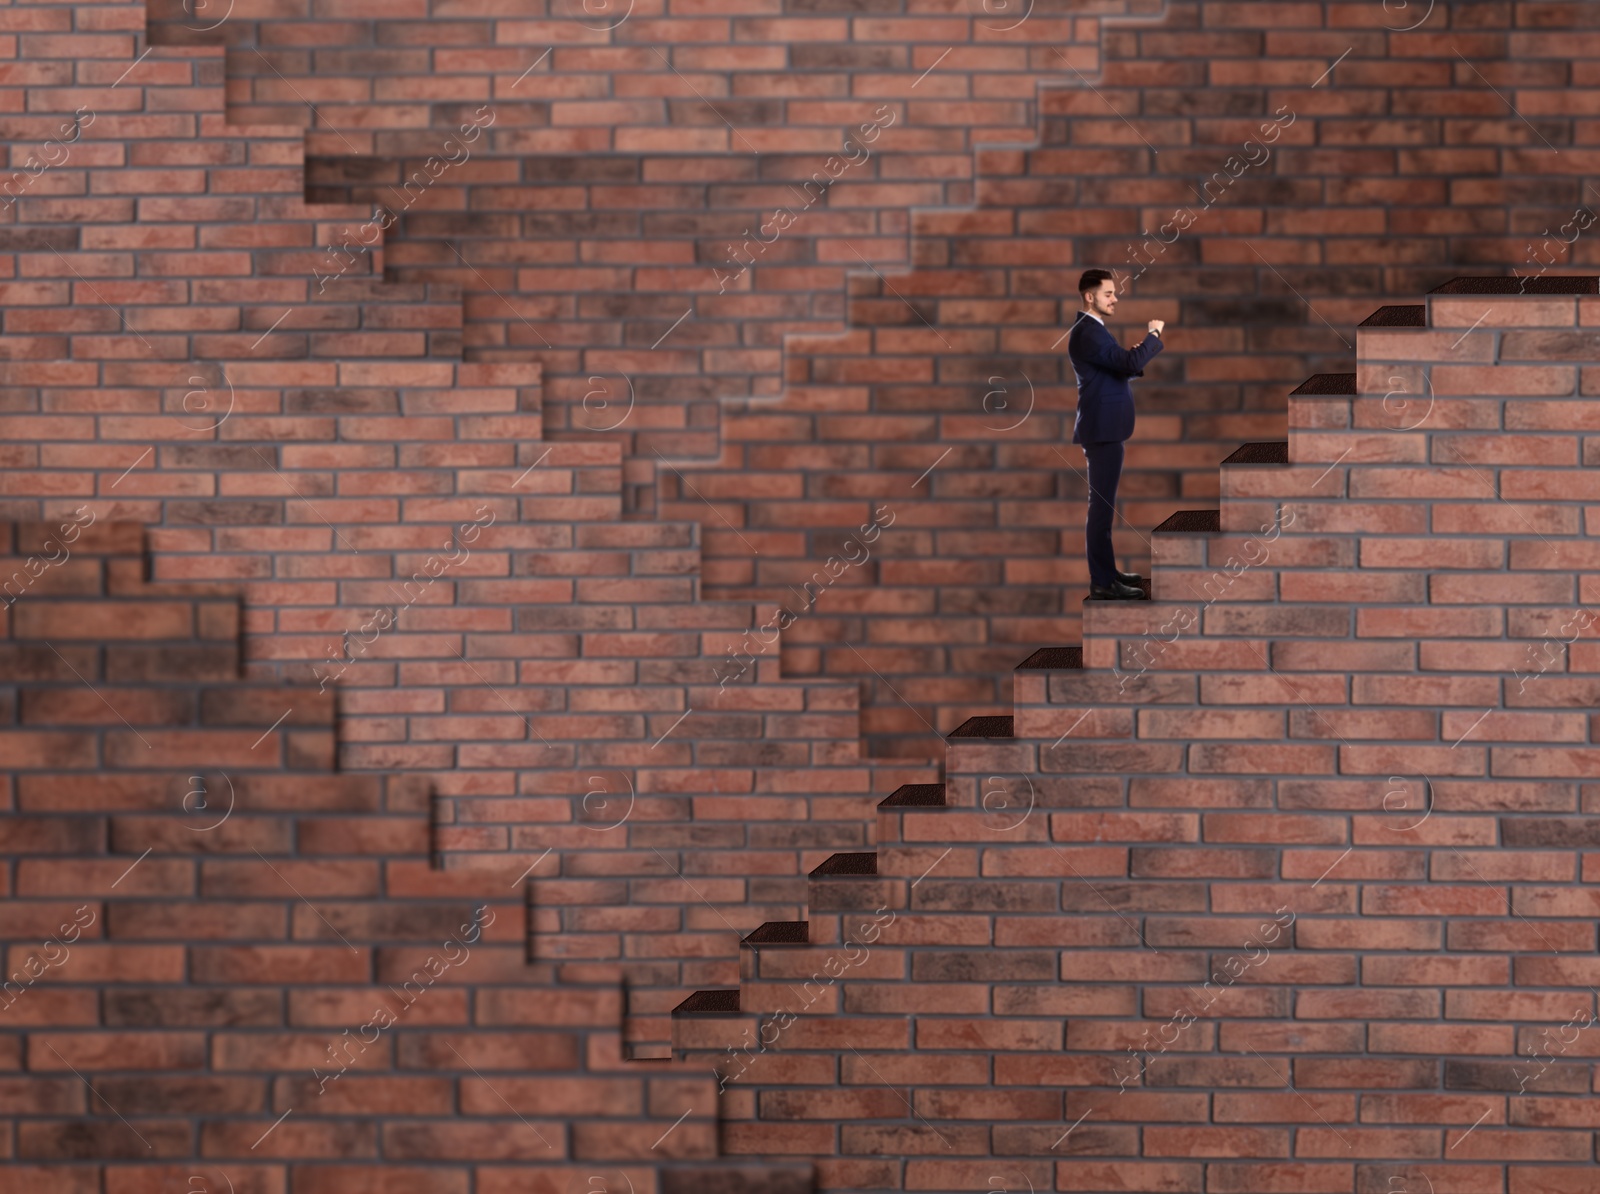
1156,325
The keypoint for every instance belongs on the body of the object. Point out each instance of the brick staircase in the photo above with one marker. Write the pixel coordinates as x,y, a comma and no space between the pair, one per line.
1188,792
1280,882
221,954
552,667
225,366
586,232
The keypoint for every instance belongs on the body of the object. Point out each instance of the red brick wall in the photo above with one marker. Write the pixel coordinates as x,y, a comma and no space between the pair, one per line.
1442,140
228,967
407,544
212,365
1289,885
170,258
1349,790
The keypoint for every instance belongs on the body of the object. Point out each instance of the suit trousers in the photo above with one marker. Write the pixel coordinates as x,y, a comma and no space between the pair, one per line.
1105,470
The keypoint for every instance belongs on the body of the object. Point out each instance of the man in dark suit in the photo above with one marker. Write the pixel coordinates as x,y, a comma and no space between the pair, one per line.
1104,422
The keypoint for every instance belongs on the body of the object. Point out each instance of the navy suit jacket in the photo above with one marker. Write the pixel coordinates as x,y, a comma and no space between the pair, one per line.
1103,367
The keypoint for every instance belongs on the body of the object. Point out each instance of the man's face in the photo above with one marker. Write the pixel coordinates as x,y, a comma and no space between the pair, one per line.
1104,300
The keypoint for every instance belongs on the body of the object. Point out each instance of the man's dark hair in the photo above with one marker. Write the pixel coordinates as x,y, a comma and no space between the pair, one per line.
1091,280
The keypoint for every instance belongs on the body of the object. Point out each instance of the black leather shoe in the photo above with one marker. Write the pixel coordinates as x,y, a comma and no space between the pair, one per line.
1117,592
1130,578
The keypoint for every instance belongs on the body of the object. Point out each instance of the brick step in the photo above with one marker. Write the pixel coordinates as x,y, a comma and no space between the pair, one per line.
1173,543
850,865
1169,589
783,970
1192,557
1053,659
1190,522
983,737
1035,678
710,1022
802,979
1264,452
915,796
1499,285
1320,384
984,726
1406,315
1248,489
839,887
779,933
788,973
715,1002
